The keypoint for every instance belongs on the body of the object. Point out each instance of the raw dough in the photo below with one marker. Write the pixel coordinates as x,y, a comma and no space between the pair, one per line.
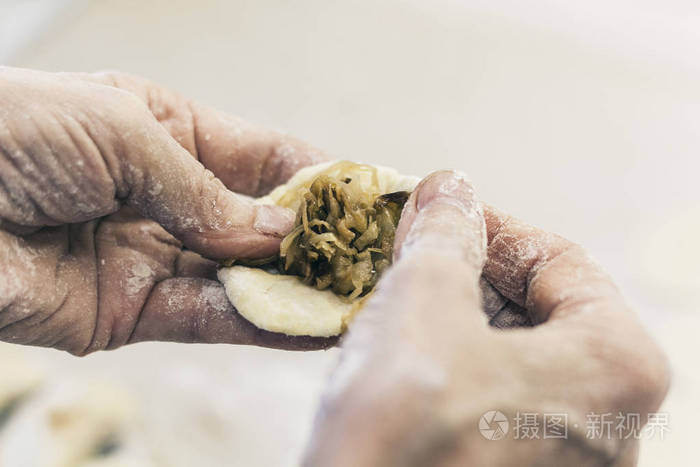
283,303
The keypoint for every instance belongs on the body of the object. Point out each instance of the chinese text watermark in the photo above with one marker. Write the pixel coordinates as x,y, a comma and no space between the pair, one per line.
495,425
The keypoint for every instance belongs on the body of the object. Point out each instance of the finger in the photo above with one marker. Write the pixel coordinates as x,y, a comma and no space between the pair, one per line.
408,333
590,344
442,214
541,271
167,185
164,183
87,148
196,310
249,159
440,245
440,248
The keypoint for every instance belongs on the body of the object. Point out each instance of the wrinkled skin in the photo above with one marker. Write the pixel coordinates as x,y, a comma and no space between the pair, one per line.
420,364
106,206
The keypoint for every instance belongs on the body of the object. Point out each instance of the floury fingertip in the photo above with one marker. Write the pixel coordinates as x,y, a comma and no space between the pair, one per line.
273,220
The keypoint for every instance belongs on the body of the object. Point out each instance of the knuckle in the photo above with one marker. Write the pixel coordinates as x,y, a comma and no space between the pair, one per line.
112,111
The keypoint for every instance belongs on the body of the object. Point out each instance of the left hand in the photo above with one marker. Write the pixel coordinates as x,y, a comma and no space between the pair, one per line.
110,215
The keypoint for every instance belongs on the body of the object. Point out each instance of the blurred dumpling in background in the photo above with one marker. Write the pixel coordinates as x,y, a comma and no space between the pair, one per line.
65,423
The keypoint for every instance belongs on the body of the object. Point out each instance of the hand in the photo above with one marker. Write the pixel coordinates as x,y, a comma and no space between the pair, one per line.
420,365
107,206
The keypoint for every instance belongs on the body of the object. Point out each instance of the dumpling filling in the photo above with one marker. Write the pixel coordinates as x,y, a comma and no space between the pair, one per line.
340,245
343,236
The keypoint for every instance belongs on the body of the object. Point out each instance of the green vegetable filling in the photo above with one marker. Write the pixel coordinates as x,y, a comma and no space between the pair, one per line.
343,238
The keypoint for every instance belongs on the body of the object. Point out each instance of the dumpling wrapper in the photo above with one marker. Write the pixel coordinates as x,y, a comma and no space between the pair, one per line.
283,303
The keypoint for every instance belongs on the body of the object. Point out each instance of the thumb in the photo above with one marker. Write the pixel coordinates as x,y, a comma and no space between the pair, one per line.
409,333
165,183
440,248
443,215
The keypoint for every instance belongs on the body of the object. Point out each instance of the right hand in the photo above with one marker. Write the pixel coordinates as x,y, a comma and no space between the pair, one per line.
420,365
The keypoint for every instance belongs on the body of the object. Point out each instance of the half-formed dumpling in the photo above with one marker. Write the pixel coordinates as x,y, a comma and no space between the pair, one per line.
342,241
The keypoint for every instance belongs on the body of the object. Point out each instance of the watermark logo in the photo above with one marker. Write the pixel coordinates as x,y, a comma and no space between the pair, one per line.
493,425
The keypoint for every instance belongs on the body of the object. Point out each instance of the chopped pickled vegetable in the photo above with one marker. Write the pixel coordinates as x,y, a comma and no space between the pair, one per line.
343,236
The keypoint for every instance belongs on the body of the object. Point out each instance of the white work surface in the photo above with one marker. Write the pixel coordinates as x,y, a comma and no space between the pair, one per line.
580,117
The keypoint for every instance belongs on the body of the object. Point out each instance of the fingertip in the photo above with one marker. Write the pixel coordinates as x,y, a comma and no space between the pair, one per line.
443,213
449,185
273,220
256,236
193,205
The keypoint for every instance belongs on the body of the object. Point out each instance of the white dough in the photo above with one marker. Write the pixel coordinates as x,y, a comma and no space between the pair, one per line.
282,303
